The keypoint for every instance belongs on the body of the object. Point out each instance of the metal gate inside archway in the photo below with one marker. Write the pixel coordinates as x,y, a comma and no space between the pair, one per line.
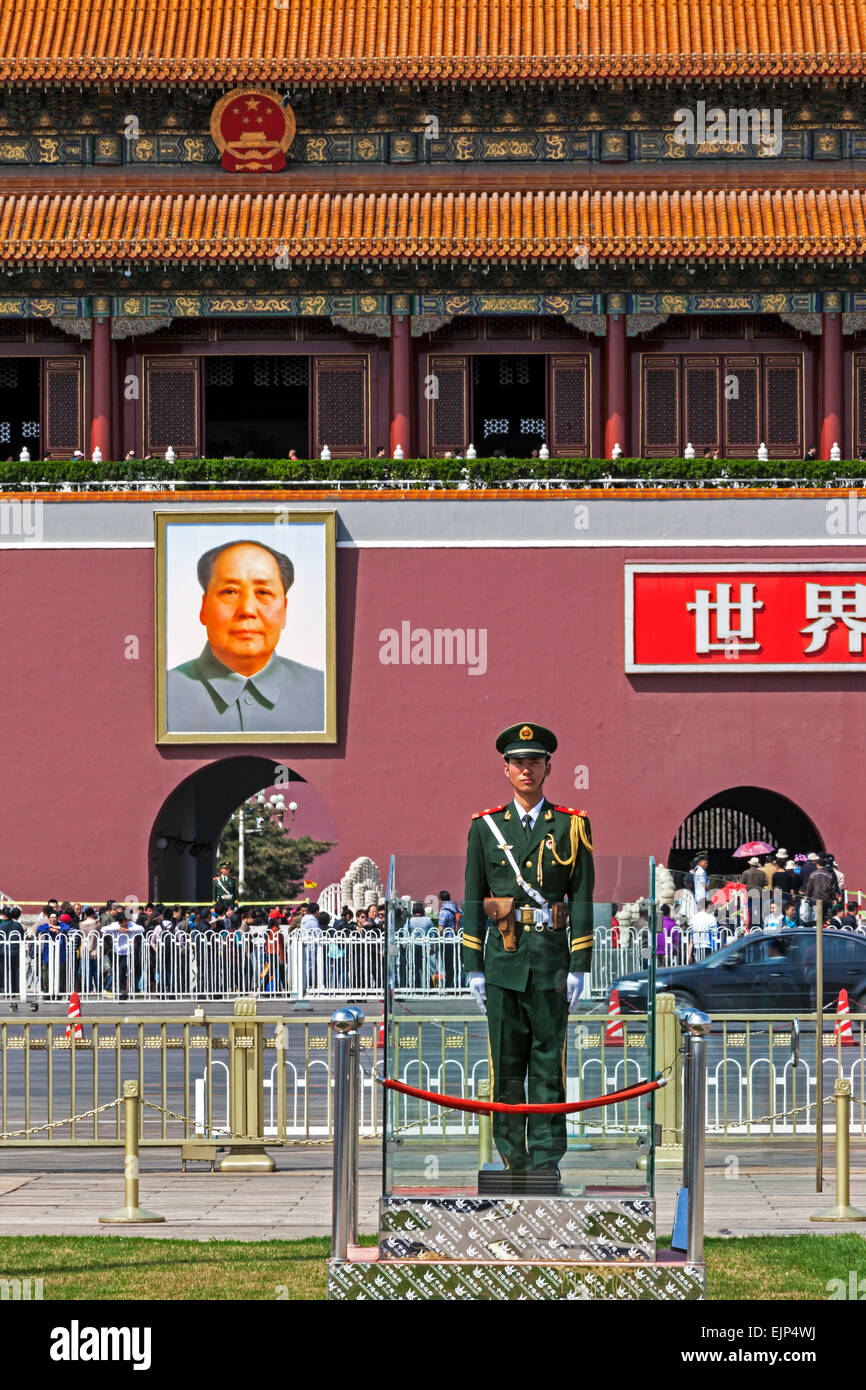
736,816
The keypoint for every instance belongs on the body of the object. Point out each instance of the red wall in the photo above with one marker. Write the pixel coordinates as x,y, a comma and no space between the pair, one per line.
83,781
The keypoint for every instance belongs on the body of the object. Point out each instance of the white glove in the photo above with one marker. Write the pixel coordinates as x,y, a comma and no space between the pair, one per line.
478,987
577,987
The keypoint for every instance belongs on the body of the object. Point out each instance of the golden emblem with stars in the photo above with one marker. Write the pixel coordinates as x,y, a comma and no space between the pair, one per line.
526,733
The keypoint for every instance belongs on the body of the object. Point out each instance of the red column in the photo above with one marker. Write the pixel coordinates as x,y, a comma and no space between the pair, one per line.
831,383
401,383
100,386
615,412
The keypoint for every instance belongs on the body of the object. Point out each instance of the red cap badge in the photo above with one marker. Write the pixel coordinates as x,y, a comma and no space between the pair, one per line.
252,130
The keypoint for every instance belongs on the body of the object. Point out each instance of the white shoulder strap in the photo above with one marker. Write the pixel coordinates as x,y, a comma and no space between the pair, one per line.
506,850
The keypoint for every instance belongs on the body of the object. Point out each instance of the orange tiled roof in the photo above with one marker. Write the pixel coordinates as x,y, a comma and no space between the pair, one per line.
540,226
228,41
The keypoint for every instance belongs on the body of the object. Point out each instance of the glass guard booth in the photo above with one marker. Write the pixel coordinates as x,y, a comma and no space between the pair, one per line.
441,1044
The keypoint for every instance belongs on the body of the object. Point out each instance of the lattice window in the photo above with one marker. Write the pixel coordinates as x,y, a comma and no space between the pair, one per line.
341,405
219,371
771,326
661,407
45,332
521,371
552,326
464,328
702,404
495,426
722,326
171,406
532,427
8,374
281,328
292,371
782,387
860,402
192,330
63,379
262,372
321,327
569,400
449,409
5,432
30,429
741,408
509,326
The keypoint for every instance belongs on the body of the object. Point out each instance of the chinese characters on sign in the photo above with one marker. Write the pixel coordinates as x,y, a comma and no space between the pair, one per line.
762,617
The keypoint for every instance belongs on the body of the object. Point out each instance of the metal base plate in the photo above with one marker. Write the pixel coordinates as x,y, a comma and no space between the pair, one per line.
431,1281
573,1229
132,1216
246,1161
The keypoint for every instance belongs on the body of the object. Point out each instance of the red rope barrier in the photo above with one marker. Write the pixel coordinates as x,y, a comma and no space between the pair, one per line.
487,1107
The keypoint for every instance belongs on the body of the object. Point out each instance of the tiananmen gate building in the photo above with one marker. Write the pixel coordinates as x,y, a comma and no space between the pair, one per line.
416,228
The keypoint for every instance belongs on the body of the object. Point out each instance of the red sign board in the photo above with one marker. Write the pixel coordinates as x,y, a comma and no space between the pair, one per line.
730,618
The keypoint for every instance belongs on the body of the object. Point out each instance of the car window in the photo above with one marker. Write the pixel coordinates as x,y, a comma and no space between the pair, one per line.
746,954
839,950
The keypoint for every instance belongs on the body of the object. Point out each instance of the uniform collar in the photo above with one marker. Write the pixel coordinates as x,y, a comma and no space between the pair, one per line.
533,814
228,685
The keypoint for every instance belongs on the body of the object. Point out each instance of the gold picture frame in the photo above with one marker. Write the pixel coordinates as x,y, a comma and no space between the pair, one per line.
190,708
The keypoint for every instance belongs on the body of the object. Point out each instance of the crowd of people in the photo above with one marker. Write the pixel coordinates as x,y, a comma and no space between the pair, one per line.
775,893
117,949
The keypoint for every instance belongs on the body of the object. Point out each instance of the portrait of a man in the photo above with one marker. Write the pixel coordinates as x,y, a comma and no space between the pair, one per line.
248,679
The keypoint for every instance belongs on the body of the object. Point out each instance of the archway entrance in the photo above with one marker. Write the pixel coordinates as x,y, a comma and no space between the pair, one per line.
730,818
185,835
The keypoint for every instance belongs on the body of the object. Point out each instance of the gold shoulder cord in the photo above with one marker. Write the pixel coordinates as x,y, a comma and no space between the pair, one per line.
578,836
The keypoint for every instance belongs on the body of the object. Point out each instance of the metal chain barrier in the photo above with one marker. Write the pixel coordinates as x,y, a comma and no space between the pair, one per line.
55,1124
766,1119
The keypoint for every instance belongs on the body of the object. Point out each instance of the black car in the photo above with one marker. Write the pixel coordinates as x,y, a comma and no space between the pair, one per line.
764,971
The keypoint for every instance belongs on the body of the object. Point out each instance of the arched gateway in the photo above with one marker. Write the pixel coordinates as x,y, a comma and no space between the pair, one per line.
732,817
183,841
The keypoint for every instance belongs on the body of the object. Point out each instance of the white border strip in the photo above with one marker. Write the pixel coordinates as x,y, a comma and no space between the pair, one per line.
733,668
506,543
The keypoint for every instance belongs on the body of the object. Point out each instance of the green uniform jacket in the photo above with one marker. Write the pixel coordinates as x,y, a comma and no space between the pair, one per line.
225,888
560,834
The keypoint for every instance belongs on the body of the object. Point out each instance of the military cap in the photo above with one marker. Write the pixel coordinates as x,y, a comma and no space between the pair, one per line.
526,741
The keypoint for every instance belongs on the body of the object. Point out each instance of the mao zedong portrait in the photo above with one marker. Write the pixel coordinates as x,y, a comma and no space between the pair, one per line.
238,684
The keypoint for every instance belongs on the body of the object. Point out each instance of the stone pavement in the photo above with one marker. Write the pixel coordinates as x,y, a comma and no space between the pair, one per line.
64,1194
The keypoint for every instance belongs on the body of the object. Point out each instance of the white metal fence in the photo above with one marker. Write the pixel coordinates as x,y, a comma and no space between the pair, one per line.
209,965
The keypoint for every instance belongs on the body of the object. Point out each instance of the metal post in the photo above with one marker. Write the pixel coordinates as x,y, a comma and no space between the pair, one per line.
354,1118
696,1145
344,1023
132,1213
842,1211
819,1046
697,1026
485,1128
246,1092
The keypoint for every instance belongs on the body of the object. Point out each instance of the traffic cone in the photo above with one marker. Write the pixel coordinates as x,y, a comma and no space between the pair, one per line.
75,1012
381,1039
613,1033
843,1032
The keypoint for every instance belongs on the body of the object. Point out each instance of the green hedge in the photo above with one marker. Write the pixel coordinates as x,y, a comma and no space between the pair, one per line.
491,472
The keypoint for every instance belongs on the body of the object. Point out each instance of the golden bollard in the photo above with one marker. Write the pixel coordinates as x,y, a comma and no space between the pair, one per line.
132,1213
842,1210
485,1127
246,1093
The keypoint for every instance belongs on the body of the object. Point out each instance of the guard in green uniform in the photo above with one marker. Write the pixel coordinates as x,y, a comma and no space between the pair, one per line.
225,885
528,972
